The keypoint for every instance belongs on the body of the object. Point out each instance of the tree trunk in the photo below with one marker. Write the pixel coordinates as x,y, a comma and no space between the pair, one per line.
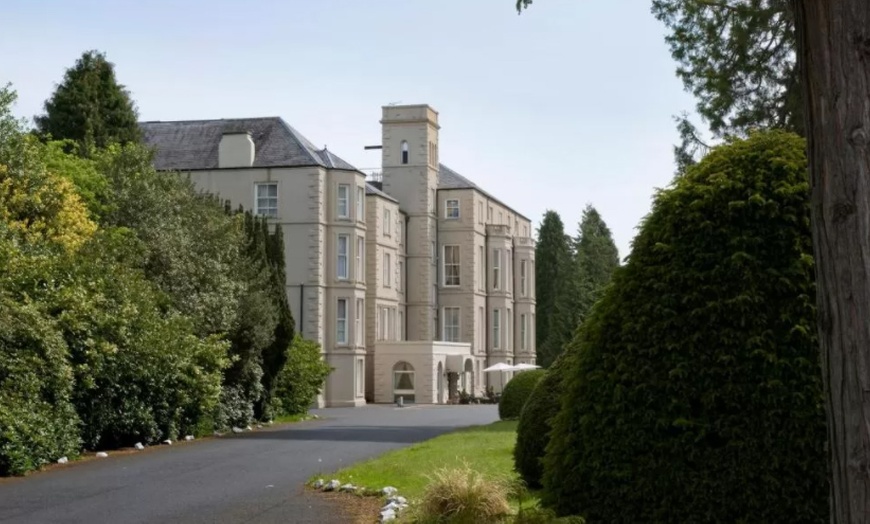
834,57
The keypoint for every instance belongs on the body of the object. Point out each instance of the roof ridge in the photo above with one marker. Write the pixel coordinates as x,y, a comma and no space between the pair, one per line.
199,121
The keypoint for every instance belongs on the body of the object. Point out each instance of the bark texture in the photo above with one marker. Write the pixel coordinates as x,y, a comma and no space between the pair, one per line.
834,57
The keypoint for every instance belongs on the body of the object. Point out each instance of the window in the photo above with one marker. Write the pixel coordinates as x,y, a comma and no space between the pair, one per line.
400,275
360,203
267,199
482,271
401,325
432,200
524,289
341,322
393,332
341,267
524,331
382,323
496,328
357,322
403,381
451,324
509,284
496,268
500,218
451,266
360,250
343,204
399,239
387,278
387,221
509,332
404,151
360,377
451,209
481,328
480,212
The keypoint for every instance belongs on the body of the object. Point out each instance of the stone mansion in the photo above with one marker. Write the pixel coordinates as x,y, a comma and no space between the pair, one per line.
412,281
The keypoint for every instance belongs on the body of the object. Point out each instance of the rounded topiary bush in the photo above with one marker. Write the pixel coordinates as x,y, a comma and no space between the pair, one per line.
533,430
696,392
517,391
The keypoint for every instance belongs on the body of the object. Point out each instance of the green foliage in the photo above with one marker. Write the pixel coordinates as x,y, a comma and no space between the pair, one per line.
517,391
595,259
533,430
90,184
37,421
301,378
90,107
696,394
552,272
738,58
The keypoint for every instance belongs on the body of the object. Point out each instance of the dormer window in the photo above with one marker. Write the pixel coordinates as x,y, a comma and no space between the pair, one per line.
404,151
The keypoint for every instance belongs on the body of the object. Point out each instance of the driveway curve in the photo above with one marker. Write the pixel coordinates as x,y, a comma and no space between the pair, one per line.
251,477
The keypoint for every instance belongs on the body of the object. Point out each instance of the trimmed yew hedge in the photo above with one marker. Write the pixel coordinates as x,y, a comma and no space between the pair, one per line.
517,391
696,395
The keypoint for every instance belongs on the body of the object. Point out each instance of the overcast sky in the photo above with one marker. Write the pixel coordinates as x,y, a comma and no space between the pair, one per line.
567,104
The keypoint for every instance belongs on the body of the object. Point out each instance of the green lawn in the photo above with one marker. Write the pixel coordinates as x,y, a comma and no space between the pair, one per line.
486,449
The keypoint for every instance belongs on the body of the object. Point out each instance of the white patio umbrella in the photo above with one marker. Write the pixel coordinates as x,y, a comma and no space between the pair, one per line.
525,367
501,367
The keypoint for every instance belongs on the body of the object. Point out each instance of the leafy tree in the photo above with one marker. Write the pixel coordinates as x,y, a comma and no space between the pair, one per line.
696,393
595,259
552,273
300,380
90,107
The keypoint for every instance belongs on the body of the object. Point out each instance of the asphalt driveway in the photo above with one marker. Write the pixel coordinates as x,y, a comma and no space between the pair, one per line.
252,477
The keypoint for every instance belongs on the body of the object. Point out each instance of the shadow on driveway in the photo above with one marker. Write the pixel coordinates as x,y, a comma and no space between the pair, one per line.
395,434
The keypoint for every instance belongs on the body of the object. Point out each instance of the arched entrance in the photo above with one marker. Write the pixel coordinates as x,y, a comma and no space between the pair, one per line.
468,381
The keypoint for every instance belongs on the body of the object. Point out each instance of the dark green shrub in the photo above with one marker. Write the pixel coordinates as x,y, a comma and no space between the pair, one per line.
301,379
533,430
517,391
37,421
696,392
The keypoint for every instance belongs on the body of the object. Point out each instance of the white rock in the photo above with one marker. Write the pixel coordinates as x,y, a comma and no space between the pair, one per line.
318,484
168,442
348,487
62,460
188,438
139,445
389,491
391,506
259,426
388,515
102,454
398,500
248,427
332,485
218,434
237,430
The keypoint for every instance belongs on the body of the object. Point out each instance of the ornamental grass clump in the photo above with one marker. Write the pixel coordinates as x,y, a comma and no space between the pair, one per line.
463,496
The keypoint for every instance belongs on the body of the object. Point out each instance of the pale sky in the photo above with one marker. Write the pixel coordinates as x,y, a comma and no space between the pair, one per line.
567,104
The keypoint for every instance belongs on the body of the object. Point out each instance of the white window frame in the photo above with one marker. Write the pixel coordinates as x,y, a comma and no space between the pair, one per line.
387,220
524,331
451,331
342,257
360,377
496,328
360,203
341,322
268,211
496,268
509,332
451,209
387,270
343,201
509,275
524,286
453,277
358,323
360,257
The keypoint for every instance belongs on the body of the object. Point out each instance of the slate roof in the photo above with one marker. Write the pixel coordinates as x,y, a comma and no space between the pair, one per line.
190,145
450,179
375,188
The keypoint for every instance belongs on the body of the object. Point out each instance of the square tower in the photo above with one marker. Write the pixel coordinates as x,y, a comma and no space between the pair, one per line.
410,174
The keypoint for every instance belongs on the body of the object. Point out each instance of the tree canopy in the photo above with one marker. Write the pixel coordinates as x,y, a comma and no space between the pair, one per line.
553,272
90,107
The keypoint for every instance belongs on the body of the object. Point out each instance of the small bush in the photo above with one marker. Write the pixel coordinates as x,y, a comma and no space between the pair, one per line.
37,421
463,496
517,391
533,430
300,380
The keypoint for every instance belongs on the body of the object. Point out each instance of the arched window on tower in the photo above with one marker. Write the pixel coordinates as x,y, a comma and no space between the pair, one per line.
404,151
